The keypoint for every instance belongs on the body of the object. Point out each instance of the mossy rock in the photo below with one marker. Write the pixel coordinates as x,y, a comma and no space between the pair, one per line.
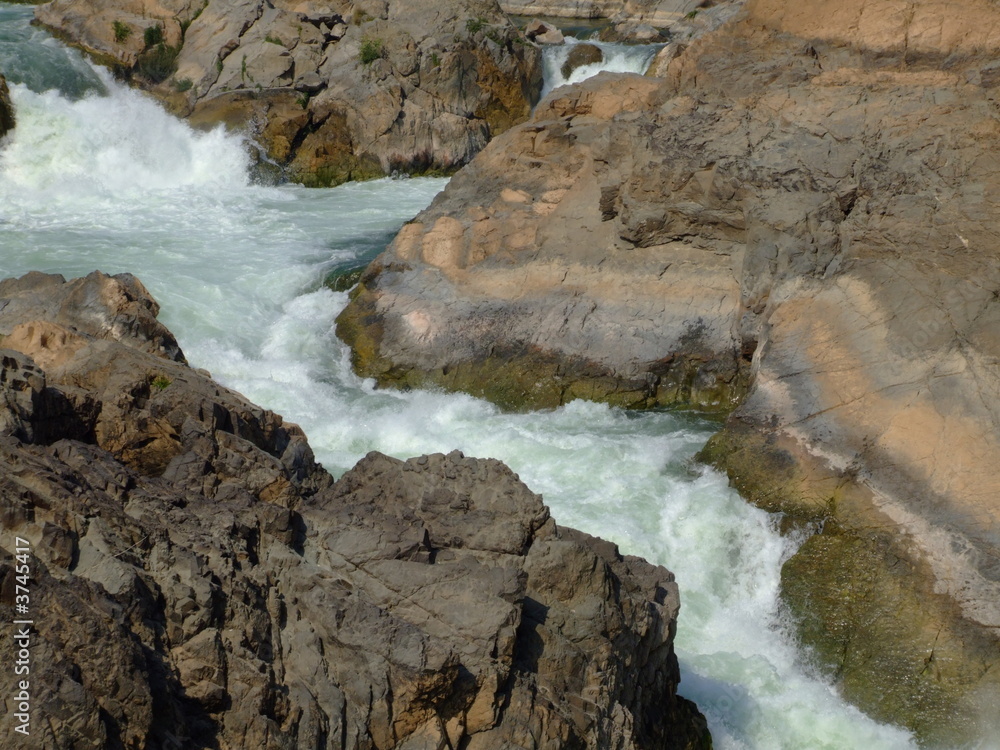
520,378
862,597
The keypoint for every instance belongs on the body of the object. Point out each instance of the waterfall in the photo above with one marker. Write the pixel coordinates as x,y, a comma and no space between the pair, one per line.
618,58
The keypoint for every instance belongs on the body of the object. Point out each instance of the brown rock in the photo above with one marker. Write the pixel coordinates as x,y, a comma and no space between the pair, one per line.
205,583
580,55
797,226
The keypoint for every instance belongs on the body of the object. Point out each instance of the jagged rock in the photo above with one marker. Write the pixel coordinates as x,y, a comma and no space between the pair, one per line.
6,109
800,226
351,91
197,580
580,55
543,33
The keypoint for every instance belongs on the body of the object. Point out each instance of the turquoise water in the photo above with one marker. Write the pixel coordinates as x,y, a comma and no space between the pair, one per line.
98,176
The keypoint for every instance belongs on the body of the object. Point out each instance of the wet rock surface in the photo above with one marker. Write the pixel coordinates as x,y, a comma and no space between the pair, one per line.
799,222
6,109
198,580
330,92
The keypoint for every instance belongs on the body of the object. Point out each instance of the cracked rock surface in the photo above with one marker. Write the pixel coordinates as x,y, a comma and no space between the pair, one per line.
197,580
799,221
332,91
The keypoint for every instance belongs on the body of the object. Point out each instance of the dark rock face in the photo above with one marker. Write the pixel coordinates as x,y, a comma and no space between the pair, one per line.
351,90
6,109
798,223
198,580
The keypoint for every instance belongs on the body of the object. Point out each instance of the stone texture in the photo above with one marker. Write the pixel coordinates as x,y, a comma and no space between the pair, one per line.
331,92
199,581
799,221
6,109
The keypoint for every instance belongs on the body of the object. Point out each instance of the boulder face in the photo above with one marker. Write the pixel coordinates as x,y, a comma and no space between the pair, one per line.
6,109
798,222
198,580
330,92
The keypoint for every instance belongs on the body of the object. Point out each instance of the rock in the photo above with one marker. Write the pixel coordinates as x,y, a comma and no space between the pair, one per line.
795,226
198,580
6,109
562,8
351,92
580,55
543,33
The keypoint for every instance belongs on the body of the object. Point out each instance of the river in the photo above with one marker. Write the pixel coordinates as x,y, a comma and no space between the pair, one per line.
97,176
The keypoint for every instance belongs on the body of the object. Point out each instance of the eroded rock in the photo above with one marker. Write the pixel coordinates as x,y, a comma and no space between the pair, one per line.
352,91
799,222
200,581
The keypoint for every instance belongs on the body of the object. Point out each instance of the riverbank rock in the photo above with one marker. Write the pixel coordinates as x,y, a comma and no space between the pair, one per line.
798,223
332,93
197,580
6,109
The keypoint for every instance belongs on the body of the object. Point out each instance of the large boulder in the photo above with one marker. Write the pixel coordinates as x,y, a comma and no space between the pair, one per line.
799,222
340,92
197,580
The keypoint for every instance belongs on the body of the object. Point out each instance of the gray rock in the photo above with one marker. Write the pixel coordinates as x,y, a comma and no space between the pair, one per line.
350,91
198,580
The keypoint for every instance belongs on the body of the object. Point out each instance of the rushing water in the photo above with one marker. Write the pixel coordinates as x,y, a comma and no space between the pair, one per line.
618,58
109,181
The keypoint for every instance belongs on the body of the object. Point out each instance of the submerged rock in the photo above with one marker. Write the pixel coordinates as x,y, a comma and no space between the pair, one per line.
6,109
798,222
197,580
350,91
580,55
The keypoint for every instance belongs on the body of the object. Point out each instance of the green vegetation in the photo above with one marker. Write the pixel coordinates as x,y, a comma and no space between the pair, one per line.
274,40
159,63
161,382
122,31
219,65
435,60
152,36
183,84
371,50
474,25
243,71
303,99
691,15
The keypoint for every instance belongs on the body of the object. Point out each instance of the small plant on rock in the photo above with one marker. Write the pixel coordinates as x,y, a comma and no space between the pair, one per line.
274,40
152,36
122,31
371,50
474,25
161,382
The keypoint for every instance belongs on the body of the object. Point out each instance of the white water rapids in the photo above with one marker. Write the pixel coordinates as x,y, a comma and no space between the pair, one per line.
111,182
618,58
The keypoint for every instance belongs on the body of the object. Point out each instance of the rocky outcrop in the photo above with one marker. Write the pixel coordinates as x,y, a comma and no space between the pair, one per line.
6,109
799,222
197,580
643,21
331,92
